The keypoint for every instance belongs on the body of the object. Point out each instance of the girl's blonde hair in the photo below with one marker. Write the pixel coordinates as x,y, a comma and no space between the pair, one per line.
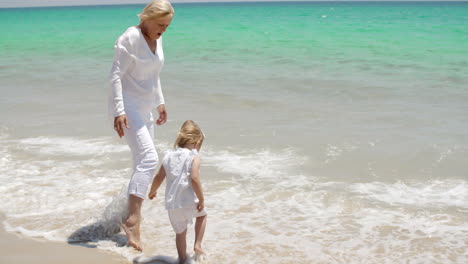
189,133
156,9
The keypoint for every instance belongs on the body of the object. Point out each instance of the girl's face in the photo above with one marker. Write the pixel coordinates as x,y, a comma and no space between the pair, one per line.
155,27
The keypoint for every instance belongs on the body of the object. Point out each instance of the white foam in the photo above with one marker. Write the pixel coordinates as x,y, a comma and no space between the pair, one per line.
49,235
261,207
427,194
71,146
261,164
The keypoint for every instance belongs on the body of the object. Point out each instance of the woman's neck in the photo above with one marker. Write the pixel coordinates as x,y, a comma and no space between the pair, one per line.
144,31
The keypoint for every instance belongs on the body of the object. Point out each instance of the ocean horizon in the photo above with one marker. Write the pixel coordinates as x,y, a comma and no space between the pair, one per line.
241,2
336,132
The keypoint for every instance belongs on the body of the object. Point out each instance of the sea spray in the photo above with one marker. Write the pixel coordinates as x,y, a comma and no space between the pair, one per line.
108,225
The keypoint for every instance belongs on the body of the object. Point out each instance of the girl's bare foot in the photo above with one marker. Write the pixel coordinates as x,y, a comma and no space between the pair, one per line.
198,250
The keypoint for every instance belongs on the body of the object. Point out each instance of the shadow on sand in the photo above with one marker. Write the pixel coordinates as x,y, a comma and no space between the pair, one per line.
86,236
155,260
165,260
107,227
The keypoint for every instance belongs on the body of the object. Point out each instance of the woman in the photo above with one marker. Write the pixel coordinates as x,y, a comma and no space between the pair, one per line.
135,91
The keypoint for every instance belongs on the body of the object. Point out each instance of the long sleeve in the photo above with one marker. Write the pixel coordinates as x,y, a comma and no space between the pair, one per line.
159,100
159,94
122,61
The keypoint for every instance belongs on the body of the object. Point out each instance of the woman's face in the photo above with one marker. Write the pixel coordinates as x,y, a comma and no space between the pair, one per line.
155,27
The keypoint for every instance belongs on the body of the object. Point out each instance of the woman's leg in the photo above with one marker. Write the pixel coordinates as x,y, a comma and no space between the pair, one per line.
145,159
132,224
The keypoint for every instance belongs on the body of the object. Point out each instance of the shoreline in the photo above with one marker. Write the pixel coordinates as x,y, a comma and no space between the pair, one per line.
16,249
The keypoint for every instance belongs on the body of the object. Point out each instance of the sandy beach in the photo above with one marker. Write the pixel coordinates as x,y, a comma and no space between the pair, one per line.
20,250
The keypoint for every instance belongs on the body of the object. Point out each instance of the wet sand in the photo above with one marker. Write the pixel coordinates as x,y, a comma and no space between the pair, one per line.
15,249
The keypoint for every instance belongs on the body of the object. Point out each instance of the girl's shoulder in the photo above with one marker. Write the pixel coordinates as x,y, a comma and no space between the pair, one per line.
195,153
181,152
168,153
194,156
192,153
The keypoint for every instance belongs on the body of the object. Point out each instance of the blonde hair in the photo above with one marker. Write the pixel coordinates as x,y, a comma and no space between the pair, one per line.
156,9
189,133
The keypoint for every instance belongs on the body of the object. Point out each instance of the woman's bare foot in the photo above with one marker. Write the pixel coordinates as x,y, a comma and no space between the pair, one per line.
132,230
132,224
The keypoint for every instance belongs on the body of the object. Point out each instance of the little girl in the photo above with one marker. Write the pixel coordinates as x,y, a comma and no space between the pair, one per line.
184,195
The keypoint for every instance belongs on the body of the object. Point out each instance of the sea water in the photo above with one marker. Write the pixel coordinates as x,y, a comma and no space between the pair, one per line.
336,132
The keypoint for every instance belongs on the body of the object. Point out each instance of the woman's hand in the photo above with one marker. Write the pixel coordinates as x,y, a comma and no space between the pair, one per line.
119,123
162,115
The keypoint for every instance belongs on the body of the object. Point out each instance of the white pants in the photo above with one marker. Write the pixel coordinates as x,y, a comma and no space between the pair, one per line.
145,158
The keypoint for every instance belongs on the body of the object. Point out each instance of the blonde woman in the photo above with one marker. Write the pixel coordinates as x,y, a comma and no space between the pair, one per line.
135,92
184,199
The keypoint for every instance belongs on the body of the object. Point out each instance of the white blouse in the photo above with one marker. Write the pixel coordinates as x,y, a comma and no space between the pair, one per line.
134,77
179,191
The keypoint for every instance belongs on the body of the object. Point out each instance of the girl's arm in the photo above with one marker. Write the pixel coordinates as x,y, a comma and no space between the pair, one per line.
158,179
196,182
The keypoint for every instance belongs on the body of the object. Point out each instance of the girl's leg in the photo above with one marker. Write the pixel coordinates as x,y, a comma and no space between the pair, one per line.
132,224
181,244
200,225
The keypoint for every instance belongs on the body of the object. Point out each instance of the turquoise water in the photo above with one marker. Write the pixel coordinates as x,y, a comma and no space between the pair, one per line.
336,132
427,36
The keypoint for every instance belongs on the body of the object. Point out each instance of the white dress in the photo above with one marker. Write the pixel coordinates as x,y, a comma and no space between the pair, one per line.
179,191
